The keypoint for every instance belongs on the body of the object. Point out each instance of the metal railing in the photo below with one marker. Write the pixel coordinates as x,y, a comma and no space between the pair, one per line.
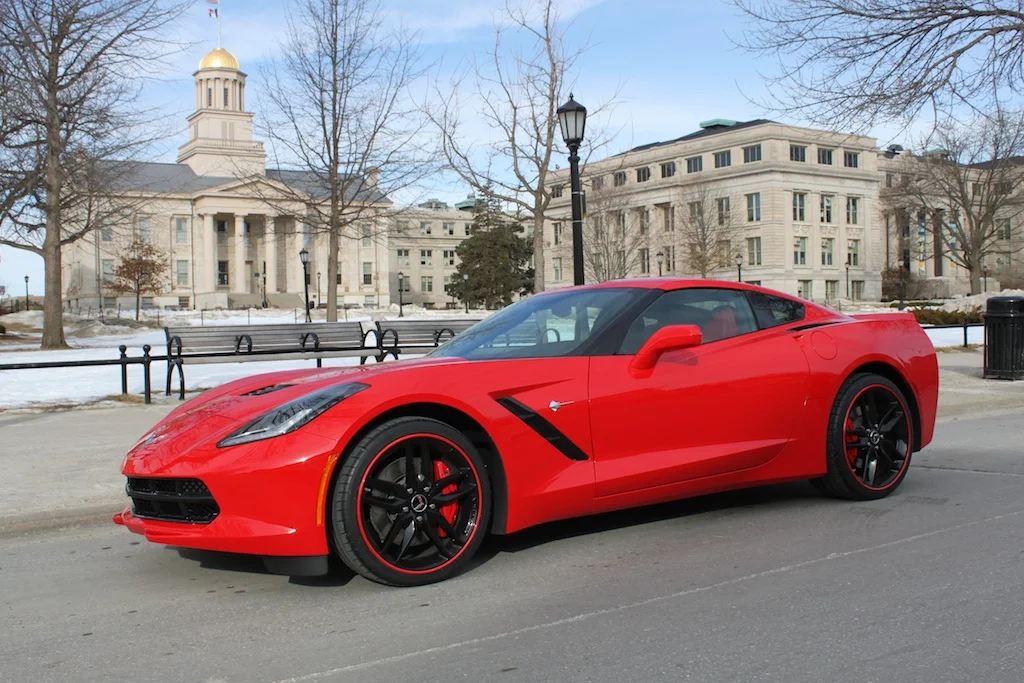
146,360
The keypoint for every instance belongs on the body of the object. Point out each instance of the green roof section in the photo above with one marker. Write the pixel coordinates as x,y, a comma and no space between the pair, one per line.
715,123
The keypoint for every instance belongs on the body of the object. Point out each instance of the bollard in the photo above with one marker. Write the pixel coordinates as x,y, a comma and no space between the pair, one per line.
124,369
965,330
146,388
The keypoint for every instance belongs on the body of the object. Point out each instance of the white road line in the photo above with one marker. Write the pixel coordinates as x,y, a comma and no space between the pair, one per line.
661,598
964,469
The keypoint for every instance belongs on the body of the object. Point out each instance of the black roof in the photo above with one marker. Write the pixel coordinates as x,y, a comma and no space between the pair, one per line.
702,133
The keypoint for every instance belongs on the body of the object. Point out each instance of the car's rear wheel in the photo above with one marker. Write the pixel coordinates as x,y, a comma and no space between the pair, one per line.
870,439
411,503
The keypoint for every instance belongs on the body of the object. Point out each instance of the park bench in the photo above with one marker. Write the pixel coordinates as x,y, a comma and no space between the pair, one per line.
401,336
241,343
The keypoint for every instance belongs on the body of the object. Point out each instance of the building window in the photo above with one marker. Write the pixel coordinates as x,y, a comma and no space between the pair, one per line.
222,273
1004,231
107,232
670,258
209,97
426,257
828,249
449,257
853,253
824,156
798,153
754,251
426,283
556,265
425,227
181,230
723,210
145,234
799,207
402,257
619,179
645,221
337,278
181,271
723,159
184,302
853,210
831,290
467,227
556,229
620,224
366,238
597,182
109,301
225,97
826,208
108,271
643,174
222,232
668,169
645,261
851,159
367,272
888,179
805,289
448,229
668,218
857,290
752,153
800,251
754,207
694,164
403,285
556,191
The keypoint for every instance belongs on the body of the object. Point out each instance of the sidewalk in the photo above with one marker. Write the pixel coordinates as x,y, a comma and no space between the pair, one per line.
62,468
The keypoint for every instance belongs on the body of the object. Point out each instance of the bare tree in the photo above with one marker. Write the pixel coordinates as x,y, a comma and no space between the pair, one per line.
518,92
968,191
705,229
71,81
851,63
141,270
616,236
339,113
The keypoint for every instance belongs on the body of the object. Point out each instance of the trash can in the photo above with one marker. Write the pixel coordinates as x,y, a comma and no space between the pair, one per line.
1004,337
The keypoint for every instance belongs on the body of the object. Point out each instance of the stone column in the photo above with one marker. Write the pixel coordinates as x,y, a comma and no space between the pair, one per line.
238,279
270,252
209,261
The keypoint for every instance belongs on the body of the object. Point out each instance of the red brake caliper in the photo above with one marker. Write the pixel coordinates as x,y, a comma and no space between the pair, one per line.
448,511
851,439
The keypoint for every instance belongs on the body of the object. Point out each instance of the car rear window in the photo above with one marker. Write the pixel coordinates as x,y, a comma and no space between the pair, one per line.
772,311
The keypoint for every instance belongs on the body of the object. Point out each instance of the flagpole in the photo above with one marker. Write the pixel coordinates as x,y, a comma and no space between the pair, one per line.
218,24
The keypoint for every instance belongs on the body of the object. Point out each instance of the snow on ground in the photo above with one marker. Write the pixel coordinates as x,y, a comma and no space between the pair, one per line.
91,339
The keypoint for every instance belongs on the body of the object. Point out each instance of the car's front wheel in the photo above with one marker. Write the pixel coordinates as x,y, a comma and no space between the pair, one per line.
870,439
411,503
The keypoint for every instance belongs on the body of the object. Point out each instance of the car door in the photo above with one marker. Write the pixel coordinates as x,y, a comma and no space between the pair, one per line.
726,405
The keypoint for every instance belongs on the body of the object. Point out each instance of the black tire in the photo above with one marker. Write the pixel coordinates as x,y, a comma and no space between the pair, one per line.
398,537
870,440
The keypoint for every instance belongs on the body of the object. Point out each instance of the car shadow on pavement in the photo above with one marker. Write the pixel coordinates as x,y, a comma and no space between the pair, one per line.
581,526
338,574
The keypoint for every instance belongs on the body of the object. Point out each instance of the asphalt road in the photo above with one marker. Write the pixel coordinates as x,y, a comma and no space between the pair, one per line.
775,584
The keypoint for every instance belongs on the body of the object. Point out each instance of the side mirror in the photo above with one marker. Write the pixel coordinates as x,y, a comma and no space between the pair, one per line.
668,338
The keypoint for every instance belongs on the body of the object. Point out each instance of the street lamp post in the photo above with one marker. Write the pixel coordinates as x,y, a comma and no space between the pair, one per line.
318,297
401,289
304,257
572,117
661,259
900,287
739,268
265,302
26,292
465,289
847,276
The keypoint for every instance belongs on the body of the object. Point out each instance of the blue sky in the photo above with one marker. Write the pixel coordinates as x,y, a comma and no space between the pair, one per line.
672,62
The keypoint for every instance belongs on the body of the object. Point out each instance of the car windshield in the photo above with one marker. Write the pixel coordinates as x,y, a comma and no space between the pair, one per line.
543,326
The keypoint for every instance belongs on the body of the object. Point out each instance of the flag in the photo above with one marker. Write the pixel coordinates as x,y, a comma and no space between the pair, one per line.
214,13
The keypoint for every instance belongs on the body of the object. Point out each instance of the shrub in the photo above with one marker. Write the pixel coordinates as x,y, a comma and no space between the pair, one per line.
931,316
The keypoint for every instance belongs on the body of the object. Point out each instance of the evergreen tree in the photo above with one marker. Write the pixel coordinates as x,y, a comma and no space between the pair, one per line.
496,258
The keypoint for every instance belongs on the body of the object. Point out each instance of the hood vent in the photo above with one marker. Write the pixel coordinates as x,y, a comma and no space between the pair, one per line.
267,390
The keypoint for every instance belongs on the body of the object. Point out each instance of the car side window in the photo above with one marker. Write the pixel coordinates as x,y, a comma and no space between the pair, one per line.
719,313
772,311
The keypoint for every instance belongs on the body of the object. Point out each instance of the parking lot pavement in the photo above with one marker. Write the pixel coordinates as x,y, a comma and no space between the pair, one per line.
770,584
63,467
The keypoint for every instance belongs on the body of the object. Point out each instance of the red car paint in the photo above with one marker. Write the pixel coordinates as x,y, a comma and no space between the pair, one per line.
742,411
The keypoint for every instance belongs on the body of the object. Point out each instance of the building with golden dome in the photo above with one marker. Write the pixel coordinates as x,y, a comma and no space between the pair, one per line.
229,227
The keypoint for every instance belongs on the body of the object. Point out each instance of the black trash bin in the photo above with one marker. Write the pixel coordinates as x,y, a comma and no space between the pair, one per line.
1004,337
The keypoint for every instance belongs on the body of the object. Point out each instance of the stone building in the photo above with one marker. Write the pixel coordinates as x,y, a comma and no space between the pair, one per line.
797,207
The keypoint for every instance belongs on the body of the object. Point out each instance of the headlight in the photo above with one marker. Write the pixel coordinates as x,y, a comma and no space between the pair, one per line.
292,415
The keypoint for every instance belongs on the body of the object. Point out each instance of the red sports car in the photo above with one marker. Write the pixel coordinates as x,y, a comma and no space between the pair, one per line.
567,403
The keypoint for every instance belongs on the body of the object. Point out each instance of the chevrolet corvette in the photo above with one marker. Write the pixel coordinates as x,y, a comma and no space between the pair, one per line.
567,403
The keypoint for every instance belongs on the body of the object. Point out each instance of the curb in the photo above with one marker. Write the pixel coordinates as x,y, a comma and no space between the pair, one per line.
41,522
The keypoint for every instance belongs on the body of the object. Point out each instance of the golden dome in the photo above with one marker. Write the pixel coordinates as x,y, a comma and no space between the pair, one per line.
219,58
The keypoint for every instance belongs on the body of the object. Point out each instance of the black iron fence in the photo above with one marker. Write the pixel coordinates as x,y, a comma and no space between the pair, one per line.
145,360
